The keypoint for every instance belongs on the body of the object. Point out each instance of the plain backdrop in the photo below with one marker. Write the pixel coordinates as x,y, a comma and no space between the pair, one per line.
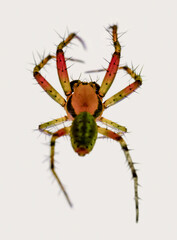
100,185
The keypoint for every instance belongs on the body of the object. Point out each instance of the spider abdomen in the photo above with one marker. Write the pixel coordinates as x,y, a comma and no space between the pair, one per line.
83,133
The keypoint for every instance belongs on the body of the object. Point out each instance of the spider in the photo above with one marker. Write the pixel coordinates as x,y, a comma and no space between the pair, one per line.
84,106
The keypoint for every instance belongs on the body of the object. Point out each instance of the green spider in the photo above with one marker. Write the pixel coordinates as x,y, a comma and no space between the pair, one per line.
84,106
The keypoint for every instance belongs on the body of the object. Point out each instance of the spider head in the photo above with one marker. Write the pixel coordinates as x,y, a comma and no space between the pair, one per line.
83,133
76,83
84,98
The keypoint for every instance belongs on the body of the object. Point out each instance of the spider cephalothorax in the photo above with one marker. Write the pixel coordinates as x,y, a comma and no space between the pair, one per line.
85,98
84,106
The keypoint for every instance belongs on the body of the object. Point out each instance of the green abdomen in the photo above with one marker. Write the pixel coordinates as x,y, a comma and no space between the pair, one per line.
83,133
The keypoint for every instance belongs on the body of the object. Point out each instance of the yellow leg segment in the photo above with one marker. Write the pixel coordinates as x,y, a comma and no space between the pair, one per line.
113,124
124,147
126,91
42,127
59,133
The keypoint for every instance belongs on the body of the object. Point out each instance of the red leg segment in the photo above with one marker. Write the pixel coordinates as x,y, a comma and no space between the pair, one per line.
61,63
44,84
113,66
63,73
126,91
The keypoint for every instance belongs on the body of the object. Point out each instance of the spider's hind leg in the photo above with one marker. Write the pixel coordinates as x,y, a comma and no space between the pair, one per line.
125,149
62,132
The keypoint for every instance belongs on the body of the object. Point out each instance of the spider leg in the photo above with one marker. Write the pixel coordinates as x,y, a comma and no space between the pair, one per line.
113,66
113,124
124,147
126,91
59,133
43,126
61,63
44,84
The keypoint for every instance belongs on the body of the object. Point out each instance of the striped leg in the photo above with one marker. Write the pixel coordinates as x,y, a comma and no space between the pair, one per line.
59,133
61,63
42,127
113,66
126,91
124,147
113,124
44,84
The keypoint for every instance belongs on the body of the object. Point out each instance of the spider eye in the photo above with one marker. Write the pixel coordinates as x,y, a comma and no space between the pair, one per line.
96,86
72,84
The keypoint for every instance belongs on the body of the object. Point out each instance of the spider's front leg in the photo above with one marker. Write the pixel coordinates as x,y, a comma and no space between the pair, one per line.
62,132
124,147
61,63
113,66
126,91
44,84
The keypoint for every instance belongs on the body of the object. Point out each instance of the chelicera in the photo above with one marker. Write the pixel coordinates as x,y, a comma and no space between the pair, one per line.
84,106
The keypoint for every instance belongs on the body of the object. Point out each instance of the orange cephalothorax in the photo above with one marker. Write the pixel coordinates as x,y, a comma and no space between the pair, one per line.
85,98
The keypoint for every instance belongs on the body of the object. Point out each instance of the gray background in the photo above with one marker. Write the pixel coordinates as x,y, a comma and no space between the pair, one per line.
100,185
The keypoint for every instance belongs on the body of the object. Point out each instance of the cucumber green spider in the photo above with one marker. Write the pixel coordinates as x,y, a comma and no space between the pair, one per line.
84,106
